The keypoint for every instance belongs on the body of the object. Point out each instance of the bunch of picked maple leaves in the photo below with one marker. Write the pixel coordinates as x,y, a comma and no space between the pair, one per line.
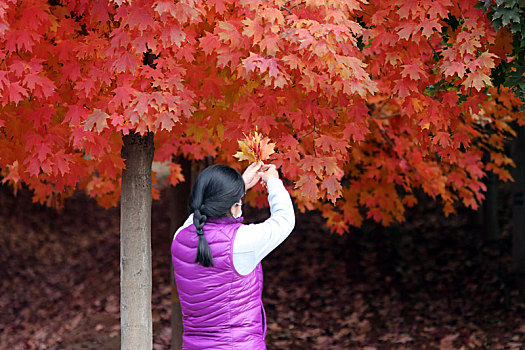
254,148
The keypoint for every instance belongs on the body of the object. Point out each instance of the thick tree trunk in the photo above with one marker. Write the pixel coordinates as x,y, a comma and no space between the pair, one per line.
518,207
179,196
135,243
490,209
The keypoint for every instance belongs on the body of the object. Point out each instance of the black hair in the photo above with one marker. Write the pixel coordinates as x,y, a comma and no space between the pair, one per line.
217,188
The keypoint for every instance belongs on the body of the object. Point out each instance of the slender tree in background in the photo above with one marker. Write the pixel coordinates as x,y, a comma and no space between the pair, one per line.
491,230
518,202
178,199
366,101
508,17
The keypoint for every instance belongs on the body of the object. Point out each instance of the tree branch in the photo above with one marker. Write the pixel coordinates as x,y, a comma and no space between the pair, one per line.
286,9
386,116
432,47
313,139
385,136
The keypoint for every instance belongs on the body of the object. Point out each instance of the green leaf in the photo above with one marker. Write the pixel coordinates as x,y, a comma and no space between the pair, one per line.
497,23
509,16
510,3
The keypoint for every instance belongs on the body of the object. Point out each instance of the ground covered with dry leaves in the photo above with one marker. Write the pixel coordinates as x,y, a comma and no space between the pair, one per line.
429,283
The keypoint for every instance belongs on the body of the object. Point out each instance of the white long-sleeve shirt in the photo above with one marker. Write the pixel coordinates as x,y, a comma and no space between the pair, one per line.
255,241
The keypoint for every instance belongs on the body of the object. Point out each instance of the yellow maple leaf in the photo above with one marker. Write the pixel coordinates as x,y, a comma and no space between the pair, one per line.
254,148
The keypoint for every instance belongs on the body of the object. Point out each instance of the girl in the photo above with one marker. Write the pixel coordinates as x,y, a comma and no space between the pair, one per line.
217,259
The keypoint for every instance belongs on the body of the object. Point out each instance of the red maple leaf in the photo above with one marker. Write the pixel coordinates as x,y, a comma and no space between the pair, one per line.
96,121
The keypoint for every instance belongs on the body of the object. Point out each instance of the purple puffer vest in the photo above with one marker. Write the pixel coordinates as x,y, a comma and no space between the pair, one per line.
221,309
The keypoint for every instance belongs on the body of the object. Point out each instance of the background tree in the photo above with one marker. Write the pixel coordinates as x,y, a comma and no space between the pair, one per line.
366,101
508,17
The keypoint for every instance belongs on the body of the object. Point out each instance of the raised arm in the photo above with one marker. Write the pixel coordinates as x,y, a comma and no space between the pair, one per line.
255,241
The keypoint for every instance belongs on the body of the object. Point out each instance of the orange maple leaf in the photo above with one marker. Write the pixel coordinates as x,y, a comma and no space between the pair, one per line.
255,148
477,80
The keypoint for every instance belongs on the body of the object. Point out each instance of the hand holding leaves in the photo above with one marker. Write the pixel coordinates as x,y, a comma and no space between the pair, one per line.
251,175
259,171
268,172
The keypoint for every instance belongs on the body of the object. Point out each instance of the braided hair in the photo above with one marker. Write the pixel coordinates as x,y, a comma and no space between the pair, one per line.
217,188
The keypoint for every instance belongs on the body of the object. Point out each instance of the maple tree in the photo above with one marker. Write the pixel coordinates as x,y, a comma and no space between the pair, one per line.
366,101
300,72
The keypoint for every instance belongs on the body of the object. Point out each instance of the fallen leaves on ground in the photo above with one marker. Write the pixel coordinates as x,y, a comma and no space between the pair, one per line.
427,284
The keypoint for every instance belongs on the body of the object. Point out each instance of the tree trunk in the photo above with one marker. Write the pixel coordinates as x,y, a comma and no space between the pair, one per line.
518,205
179,196
490,209
135,243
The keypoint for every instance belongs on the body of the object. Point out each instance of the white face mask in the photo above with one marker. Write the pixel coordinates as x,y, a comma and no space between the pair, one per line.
238,215
240,210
